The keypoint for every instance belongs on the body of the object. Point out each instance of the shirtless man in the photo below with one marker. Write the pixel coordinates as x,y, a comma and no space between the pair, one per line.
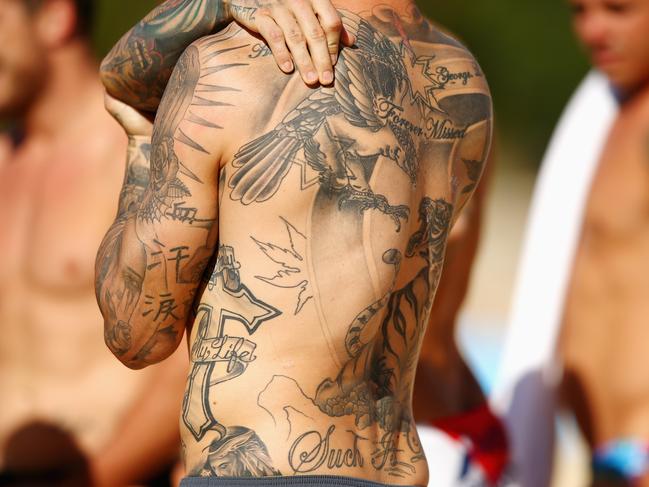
297,235
604,339
63,420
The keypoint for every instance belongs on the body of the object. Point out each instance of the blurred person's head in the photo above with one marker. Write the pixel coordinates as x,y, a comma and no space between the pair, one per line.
616,33
32,32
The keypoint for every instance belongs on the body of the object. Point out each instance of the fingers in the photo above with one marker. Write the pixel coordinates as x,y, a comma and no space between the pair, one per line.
302,34
317,39
274,37
347,38
297,44
332,26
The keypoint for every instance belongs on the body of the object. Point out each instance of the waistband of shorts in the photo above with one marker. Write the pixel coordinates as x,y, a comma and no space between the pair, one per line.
39,477
280,481
624,458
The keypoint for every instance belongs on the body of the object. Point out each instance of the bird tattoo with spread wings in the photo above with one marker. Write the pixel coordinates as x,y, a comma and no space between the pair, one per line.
340,131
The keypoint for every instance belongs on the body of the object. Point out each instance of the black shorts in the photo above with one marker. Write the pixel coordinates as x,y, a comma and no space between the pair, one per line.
293,481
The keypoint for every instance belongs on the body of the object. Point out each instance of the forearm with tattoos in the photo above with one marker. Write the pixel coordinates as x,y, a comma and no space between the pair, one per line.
138,67
119,274
151,261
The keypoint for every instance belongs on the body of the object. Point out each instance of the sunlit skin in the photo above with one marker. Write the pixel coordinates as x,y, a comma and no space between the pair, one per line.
335,335
604,336
615,34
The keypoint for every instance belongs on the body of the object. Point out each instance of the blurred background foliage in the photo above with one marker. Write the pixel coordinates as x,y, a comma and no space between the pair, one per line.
526,48
114,17
531,59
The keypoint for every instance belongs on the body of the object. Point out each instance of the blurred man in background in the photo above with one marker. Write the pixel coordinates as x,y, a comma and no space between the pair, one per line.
69,414
605,340
583,285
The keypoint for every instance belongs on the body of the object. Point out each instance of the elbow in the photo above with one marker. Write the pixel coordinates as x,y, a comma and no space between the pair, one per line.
135,364
104,68
111,67
127,358
119,339
114,82
106,73
128,89
139,362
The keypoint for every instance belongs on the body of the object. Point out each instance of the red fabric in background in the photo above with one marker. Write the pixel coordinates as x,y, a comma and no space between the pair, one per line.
488,445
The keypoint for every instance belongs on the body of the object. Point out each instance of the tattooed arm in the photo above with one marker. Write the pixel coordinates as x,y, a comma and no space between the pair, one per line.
137,69
151,261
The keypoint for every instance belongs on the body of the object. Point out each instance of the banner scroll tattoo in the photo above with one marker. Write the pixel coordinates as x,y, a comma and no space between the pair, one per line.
217,357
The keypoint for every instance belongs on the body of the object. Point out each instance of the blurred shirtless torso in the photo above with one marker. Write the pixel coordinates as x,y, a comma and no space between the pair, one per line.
334,208
605,335
57,197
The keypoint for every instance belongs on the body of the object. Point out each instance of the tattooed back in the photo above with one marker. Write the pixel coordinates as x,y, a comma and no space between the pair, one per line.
334,206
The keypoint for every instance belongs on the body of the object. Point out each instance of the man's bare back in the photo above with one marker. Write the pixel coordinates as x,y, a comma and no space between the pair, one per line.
334,205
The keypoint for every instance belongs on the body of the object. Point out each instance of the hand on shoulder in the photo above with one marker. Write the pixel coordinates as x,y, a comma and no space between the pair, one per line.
303,34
